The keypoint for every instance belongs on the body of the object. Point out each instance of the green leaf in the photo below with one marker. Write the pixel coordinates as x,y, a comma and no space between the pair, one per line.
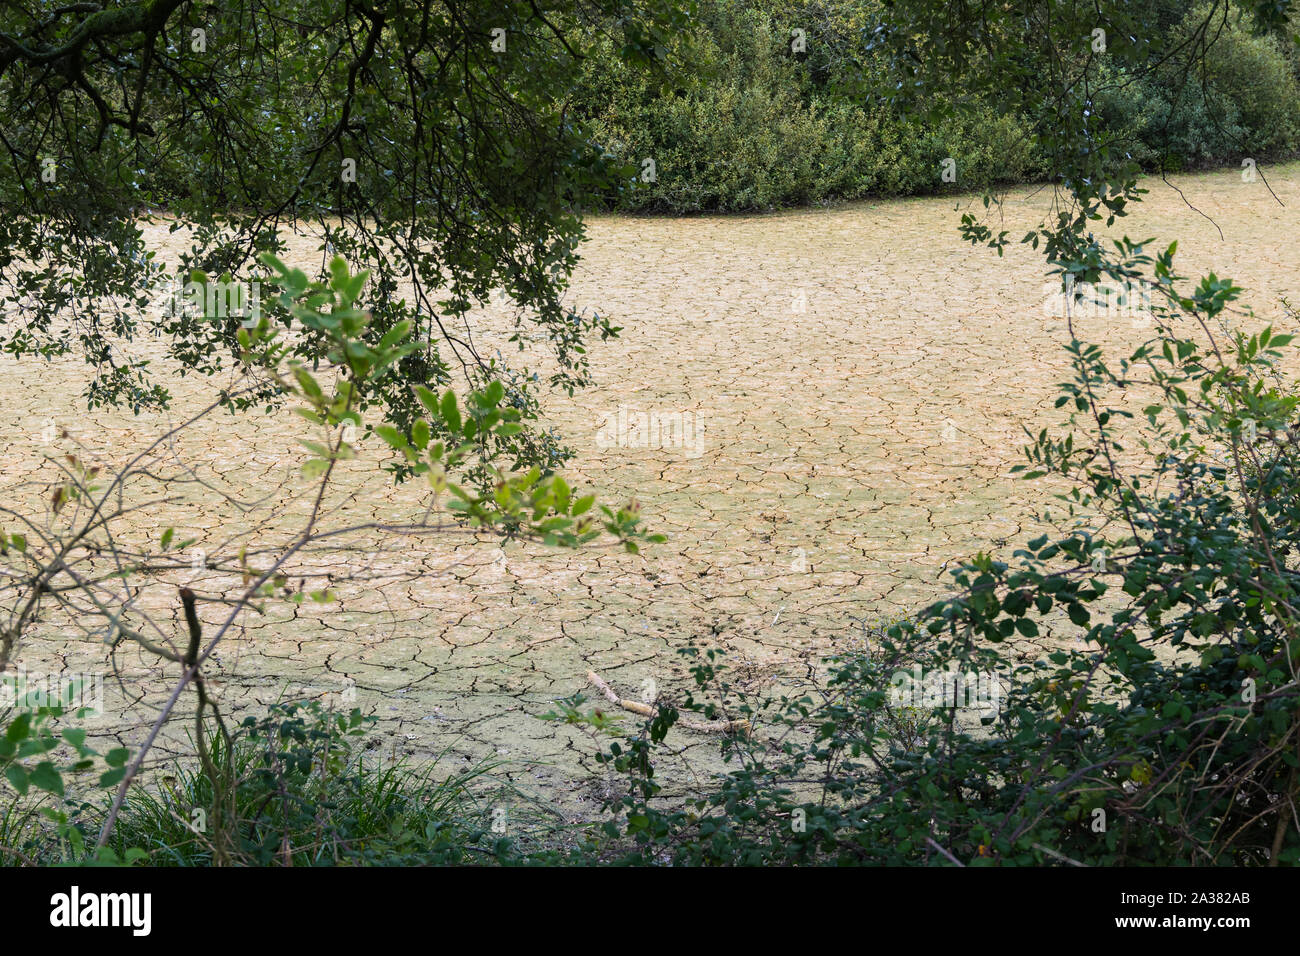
112,778
48,778
316,448
427,398
396,334
391,435
16,774
450,413
308,384
19,728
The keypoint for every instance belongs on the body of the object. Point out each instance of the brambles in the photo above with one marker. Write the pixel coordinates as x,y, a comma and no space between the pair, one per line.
1162,725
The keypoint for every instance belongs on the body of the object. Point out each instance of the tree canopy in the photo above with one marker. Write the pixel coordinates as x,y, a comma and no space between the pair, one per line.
426,140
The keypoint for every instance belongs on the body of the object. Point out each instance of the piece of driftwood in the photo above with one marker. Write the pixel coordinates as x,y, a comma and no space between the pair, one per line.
646,710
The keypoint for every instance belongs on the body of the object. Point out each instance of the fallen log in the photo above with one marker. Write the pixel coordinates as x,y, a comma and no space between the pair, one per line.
646,710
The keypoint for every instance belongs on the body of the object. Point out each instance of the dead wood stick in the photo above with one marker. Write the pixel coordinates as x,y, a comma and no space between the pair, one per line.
645,710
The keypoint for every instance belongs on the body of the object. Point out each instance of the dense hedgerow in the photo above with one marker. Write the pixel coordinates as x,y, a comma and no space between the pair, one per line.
1245,103
761,125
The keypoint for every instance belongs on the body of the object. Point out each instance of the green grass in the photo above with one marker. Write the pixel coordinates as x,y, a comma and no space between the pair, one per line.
296,789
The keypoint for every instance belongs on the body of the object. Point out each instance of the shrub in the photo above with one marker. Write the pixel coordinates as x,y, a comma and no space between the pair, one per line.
761,128
1233,95
1162,726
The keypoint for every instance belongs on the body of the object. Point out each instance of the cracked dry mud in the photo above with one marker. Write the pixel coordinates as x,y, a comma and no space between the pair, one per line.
860,377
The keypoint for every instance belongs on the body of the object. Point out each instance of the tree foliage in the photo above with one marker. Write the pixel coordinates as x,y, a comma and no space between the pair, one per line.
426,140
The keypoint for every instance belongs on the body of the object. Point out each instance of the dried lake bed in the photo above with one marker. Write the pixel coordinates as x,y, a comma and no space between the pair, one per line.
820,408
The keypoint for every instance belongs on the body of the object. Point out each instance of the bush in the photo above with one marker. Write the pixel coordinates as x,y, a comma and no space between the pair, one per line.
762,128
1237,100
1163,725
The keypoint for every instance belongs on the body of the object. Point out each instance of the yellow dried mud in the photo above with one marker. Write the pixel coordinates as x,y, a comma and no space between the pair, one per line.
847,386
